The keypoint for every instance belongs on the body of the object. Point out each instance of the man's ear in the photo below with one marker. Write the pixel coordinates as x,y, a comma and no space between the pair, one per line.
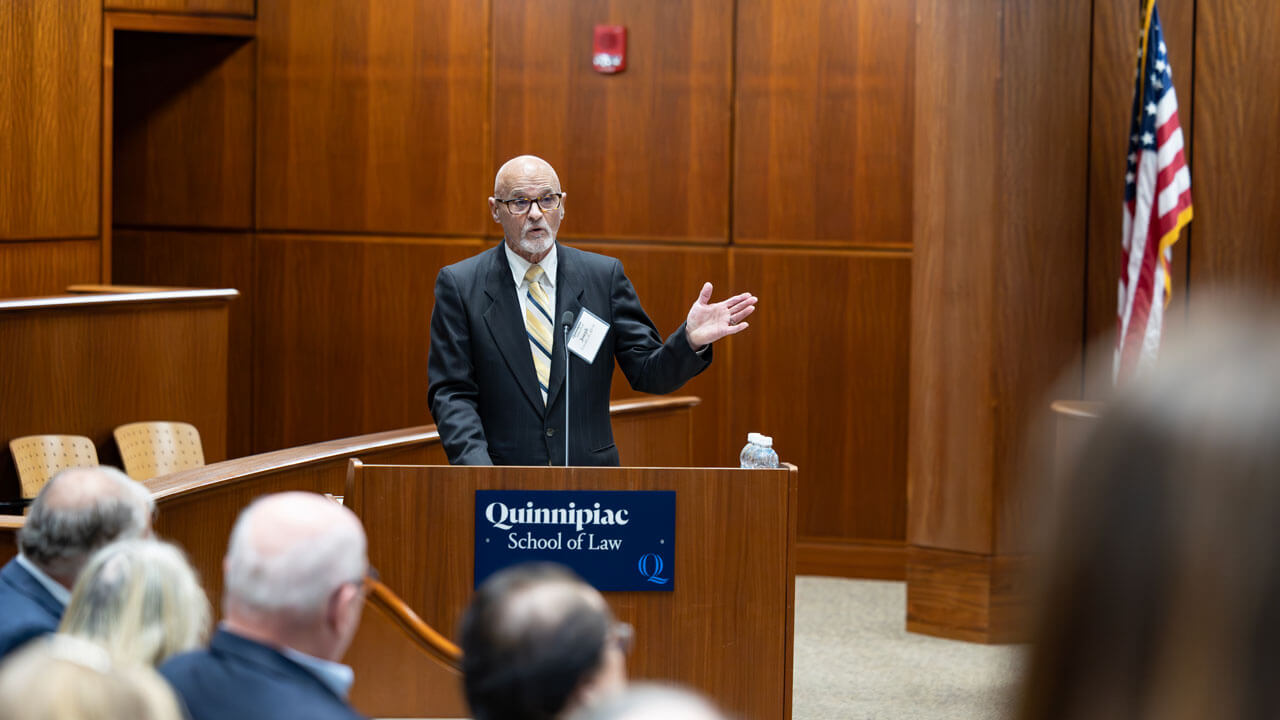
493,210
339,612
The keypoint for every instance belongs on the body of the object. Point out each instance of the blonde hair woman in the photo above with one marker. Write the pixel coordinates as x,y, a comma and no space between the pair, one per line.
140,600
67,678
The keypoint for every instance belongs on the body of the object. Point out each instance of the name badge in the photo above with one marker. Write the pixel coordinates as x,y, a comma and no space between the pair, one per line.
587,335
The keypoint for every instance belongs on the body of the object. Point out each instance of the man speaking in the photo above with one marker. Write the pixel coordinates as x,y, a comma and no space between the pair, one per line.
496,368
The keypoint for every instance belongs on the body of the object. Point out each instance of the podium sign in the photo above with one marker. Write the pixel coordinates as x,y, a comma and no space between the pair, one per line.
620,540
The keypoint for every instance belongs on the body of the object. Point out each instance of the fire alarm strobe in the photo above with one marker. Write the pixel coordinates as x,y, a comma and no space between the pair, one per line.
609,49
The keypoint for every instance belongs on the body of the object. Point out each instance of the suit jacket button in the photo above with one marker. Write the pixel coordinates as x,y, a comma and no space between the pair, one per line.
551,432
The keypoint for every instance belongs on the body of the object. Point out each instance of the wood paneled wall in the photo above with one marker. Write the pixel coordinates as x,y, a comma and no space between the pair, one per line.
50,123
378,131
183,131
996,292
643,154
1234,182
823,124
374,116
331,163
343,348
190,7
49,118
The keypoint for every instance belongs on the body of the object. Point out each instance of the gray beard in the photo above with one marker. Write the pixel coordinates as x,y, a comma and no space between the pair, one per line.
536,247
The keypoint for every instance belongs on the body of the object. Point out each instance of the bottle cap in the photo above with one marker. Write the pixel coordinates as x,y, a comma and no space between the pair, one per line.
758,439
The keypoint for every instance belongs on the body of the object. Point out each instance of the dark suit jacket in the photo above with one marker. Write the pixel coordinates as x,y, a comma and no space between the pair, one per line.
27,610
239,679
483,390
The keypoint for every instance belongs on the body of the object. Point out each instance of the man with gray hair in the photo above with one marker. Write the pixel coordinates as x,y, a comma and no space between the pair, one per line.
77,512
294,590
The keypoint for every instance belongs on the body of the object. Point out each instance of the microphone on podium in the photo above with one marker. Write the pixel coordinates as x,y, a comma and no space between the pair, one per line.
565,321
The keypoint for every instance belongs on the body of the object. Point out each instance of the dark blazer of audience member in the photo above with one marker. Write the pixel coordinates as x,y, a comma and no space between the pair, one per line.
294,591
1162,591
140,599
537,643
77,512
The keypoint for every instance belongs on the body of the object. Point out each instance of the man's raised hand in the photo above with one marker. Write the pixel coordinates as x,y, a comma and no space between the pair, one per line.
708,322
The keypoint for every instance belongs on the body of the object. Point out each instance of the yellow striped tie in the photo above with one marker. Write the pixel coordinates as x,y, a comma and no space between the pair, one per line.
537,324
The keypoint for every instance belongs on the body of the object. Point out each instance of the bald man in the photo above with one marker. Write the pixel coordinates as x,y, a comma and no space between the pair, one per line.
496,368
294,590
76,512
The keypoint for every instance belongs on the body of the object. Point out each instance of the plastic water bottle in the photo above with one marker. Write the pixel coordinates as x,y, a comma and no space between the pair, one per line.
758,453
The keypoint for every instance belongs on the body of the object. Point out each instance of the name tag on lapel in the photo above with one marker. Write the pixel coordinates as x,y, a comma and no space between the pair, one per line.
587,334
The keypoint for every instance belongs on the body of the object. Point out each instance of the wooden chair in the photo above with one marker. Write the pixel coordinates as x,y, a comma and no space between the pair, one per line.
40,457
156,448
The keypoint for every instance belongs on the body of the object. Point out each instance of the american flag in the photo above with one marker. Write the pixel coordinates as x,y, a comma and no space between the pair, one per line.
1157,204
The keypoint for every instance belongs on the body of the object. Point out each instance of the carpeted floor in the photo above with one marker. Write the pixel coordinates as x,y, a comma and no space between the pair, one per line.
855,659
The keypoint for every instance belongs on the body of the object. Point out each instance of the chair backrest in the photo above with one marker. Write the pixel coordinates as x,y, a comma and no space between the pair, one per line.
40,457
156,448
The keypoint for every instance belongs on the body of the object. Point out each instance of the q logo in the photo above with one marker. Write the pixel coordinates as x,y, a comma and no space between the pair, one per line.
652,562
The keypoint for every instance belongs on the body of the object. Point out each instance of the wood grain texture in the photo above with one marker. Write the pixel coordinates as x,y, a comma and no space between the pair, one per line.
342,349
961,596
193,7
867,559
183,130
208,260
823,141
84,368
197,507
9,526
200,519
395,673
667,280
1237,106
1116,27
374,116
823,369
50,85
724,631
997,299
46,267
643,153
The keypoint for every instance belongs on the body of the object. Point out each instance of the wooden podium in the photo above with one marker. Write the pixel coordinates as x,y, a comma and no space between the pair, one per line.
726,629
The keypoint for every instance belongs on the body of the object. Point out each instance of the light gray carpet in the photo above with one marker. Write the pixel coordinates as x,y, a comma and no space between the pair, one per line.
855,659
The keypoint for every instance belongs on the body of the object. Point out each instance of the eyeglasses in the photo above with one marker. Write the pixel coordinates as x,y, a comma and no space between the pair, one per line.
622,635
370,574
520,206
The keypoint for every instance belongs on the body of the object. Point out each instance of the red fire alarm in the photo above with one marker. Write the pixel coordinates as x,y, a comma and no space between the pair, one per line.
609,49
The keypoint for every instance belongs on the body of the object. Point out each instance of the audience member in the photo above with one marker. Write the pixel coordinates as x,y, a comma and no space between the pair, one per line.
1162,595
77,512
538,643
140,600
294,590
651,702
67,678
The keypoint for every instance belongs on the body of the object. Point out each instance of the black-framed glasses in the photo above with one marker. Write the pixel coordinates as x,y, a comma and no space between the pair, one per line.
520,206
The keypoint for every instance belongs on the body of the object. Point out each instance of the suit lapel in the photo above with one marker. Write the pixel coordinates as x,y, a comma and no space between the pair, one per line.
507,327
569,289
